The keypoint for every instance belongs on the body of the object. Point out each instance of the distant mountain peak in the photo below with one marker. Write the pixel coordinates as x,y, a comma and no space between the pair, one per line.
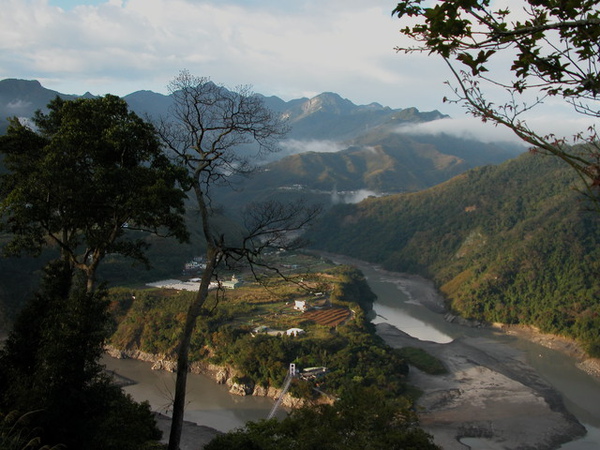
328,102
21,98
326,116
12,83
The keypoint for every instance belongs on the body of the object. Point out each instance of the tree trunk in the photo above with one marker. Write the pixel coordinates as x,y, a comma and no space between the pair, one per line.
184,349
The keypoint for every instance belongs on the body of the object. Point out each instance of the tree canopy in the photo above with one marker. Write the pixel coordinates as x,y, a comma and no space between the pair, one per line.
82,175
51,375
364,418
555,53
81,178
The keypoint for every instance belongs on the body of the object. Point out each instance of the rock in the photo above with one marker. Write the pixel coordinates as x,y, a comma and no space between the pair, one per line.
241,389
590,366
163,364
221,376
273,392
292,402
260,391
115,352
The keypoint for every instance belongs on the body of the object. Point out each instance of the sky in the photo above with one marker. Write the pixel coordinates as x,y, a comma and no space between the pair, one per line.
288,48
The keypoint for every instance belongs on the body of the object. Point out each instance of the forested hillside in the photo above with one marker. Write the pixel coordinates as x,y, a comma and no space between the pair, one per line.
511,243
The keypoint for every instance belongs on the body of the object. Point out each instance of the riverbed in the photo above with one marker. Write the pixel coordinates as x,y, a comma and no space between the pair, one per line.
412,305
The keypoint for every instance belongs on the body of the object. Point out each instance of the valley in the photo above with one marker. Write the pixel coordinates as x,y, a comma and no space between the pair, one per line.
418,309
505,237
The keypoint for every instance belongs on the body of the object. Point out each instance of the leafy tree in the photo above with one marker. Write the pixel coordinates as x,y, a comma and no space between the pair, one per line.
81,176
49,370
212,135
555,55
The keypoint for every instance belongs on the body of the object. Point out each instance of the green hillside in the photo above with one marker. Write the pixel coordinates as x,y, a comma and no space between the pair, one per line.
248,330
381,161
511,243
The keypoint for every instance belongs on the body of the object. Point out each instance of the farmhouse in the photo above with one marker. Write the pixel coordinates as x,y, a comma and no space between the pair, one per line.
295,332
232,284
301,305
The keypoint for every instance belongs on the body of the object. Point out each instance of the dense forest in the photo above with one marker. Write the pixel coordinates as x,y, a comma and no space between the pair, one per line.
513,243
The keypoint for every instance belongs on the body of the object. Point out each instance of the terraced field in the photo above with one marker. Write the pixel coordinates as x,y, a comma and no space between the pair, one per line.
329,317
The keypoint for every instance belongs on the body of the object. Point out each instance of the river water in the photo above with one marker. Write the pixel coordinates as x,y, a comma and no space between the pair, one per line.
211,405
207,403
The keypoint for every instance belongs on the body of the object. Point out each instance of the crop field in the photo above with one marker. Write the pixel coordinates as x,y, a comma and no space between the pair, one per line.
329,317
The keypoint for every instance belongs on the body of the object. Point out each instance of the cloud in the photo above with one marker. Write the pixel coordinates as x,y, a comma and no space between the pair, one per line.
465,127
471,128
281,48
352,196
289,49
17,105
293,146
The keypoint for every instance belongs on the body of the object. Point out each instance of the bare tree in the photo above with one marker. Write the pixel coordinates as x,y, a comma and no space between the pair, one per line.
213,133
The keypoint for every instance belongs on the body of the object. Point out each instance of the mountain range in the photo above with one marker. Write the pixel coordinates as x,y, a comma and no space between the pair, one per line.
335,149
501,233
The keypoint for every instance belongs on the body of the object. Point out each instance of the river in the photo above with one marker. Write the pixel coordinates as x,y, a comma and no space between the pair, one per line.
580,391
208,403
211,405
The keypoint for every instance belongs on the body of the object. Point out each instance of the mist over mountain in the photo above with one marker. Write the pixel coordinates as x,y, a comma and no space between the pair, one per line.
326,117
22,98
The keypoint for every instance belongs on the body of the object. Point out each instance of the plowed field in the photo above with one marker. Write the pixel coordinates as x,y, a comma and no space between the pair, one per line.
329,317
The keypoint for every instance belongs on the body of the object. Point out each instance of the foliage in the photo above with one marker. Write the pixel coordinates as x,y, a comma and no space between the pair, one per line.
352,287
88,178
504,244
17,434
554,50
364,418
50,365
551,40
422,360
351,352
152,323
81,177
